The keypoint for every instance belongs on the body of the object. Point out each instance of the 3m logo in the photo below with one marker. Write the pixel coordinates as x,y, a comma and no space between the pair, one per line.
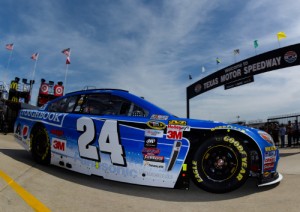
58,145
173,134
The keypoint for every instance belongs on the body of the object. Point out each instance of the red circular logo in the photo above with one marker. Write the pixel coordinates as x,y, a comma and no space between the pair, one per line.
44,88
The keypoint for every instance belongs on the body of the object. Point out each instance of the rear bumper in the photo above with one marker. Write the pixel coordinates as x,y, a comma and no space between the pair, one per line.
271,179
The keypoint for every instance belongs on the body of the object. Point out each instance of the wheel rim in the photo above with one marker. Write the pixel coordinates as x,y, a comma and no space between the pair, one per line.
219,163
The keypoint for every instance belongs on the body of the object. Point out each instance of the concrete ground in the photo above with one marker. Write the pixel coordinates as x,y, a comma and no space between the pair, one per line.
25,185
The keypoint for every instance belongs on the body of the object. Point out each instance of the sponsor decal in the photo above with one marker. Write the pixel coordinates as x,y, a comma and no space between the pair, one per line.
157,125
269,166
150,142
270,148
155,174
57,132
177,122
25,132
154,133
175,132
228,127
18,132
18,129
174,154
179,127
58,145
270,160
159,117
290,57
50,118
150,151
154,158
118,170
270,153
154,164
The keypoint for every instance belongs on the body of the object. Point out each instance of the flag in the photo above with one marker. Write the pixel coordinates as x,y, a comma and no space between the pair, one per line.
190,77
255,43
203,69
218,60
281,35
68,61
9,46
66,52
236,51
34,56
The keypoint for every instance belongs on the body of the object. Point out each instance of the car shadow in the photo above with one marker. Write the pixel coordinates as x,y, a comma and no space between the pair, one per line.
194,194
286,154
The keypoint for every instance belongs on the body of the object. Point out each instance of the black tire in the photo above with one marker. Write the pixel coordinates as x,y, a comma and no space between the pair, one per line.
220,165
40,146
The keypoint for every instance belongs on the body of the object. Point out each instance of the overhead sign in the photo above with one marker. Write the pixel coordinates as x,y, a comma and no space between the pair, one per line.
242,72
239,82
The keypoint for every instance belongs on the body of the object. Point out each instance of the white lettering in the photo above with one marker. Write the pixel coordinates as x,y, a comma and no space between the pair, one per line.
211,83
262,65
231,75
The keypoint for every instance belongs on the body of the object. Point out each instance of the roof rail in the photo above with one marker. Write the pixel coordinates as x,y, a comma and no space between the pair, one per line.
88,87
100,89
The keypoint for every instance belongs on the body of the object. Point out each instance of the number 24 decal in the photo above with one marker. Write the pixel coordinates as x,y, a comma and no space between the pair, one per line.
109,141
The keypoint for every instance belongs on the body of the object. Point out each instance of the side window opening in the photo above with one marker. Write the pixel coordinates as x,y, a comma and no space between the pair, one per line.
107,104
65,105
57,106
71,104
139,112
98,104
78,107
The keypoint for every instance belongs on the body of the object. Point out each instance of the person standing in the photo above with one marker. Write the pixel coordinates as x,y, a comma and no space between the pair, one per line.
275,133
295,133
282,132
289,131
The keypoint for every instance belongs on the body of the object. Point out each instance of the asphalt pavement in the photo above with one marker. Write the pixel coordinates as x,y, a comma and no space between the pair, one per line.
27,186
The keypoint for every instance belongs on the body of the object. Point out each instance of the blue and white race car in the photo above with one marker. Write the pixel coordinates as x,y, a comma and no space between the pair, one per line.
119,136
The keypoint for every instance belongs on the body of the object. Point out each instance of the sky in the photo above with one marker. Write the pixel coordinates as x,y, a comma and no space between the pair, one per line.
150,47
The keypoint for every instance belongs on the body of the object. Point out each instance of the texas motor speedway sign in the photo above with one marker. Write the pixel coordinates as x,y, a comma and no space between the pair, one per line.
242,72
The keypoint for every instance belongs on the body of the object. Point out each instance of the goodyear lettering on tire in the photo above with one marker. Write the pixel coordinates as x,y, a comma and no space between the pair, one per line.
243,153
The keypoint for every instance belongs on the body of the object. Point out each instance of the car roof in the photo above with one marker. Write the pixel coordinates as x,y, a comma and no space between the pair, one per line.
122,93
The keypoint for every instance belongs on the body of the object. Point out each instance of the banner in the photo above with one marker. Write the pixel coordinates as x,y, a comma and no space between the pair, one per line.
269,61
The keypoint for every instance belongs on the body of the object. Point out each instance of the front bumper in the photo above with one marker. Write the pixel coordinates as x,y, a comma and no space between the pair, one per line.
270,179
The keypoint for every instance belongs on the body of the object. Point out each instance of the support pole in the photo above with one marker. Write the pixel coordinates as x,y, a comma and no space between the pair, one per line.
187,105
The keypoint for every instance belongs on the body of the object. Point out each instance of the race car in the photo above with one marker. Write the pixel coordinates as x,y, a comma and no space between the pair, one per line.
119,136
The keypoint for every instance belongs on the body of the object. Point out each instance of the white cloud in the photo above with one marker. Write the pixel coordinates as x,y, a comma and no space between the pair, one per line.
150,48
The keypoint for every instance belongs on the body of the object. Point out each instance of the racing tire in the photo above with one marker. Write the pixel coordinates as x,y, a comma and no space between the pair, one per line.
40,146
220,165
